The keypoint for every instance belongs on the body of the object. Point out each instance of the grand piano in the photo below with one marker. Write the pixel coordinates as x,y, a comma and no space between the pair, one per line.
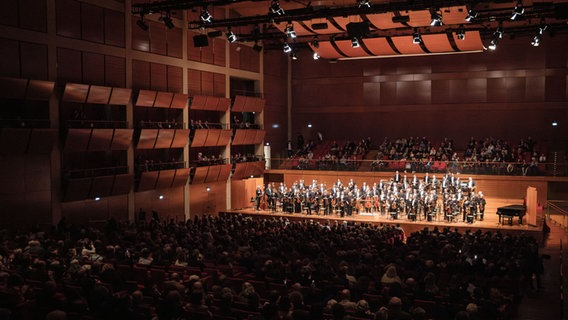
510,211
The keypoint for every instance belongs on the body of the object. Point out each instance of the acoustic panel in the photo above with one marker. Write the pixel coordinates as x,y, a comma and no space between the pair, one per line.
179,101
198,102
40,90
181,177
199,137
239,138
165,179
212,137
225,172
147,139
120,96
75,92
239,104
163,99
100,139
122,139
224,104
200,175
180,139
225,137
148,180
259,138
146,98
211,103
250,136
213,174
164,140
99,95
77,140
240,171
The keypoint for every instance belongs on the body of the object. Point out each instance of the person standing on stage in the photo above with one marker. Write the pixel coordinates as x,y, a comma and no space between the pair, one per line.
258,197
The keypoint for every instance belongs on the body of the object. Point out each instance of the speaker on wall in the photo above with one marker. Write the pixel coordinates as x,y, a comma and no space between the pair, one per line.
200,40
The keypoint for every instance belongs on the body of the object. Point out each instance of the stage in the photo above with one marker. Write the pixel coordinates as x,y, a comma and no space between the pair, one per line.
491,221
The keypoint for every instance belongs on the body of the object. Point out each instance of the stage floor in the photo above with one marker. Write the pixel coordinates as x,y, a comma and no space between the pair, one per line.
489,223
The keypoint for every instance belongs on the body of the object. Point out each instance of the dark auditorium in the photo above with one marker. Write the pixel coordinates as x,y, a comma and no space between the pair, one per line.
283,160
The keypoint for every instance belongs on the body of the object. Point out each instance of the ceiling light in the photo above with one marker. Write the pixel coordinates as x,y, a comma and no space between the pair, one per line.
460,34
436,19
366,4
518,11
142,24
275,8
205,16
355,43
416,38
294,56
231,37
290,31
315,42
168,21
286,48
497,35
316,56
493,44
471,15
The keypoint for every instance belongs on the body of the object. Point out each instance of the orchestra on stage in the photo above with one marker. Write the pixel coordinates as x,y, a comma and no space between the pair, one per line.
401,197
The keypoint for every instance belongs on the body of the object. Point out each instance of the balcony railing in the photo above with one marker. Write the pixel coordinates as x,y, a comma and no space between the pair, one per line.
94,172
482,168
97,124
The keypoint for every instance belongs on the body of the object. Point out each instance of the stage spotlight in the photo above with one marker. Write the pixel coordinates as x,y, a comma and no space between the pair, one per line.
316,56
231,37
276,9
518,11
142,24
471,15
497,35
290,33
436,19
294,56
364,4
168,21
416,38
286,48
205,16
538,37
315,42
460,34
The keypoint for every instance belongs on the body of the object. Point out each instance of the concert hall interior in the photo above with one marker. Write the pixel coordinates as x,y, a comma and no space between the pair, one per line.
401,116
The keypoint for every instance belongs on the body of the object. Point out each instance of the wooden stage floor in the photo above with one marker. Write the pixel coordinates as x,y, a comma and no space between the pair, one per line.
489,223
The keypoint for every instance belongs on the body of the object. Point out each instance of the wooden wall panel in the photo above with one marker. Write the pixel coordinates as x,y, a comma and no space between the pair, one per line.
164,140
174,43
170,207
199,138
240,171
193,53
93,68
158,39
13,88
194,82
207,83
11,182
40,90
146,98
163,99
148,180
69,65
219,81
219,52
203,202
179,101
242,191
9,58
212,137
147,139
225,172
101,139
213,174
99,94
115,71
181,138
33,59
7,15
165,179
200,175
158,77
122,139
225,137
101,186
240,136
92,23
68,15
175,79
114,28
181,177
140,38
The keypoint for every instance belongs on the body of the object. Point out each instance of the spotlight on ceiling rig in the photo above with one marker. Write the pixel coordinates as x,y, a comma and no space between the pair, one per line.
518,11
275,8
436,19
205,16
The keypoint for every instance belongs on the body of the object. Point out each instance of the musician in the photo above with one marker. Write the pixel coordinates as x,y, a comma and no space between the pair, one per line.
481,205
258,197
270,197
393,208
397,177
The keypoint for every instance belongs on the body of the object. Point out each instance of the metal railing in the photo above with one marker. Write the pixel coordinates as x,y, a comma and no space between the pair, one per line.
466,167
97,124
24,123
94,172
557,211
